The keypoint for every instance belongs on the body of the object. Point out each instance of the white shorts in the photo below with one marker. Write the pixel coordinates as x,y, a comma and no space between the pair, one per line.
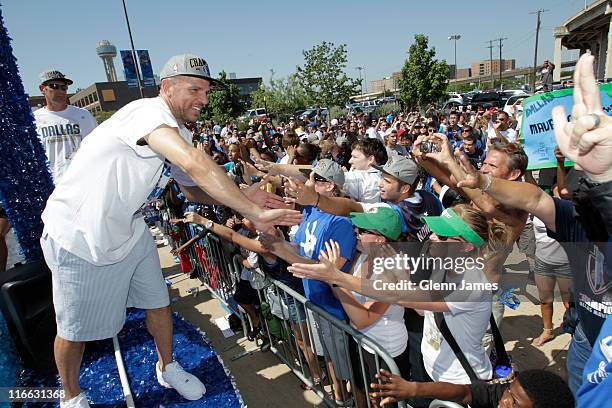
90,301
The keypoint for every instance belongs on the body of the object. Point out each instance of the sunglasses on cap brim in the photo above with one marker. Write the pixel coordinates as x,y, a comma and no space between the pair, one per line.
320,178
63,87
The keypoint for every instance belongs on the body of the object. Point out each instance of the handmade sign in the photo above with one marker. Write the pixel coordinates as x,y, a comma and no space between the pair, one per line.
537,129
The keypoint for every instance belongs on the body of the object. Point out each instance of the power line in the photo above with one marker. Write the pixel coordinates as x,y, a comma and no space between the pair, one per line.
517,45
501,40
490,47
535,51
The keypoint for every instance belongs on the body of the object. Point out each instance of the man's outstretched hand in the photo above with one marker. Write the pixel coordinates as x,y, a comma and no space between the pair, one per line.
262,198
587,145
268,218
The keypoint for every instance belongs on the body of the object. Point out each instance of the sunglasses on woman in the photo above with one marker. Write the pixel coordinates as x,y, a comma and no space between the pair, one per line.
450,239
320,179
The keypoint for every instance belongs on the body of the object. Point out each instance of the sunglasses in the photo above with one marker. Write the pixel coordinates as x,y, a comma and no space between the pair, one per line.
320,179
452,239
63,87
361,231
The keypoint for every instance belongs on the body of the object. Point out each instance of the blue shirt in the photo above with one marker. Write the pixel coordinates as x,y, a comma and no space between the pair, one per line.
411,212
316,229
596,389
479,155
451,136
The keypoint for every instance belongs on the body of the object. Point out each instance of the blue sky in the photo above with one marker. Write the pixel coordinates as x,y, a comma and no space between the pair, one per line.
252,37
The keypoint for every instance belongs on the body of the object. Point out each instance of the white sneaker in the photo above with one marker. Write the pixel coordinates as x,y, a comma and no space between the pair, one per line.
186,384
80,401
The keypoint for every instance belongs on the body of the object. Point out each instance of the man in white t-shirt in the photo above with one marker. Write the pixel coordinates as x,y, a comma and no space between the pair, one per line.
383,126
95,239
60,127
362,181
372,132
500,128
391,144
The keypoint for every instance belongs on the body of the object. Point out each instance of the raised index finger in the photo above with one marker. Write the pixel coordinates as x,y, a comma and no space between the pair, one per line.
588,85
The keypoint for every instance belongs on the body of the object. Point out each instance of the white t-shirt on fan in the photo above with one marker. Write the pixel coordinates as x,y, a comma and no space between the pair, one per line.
61,134
509,134
389,330
467,319
94,209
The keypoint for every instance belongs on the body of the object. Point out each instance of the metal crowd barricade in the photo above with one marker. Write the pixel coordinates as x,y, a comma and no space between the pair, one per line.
219,274
212,265
291,354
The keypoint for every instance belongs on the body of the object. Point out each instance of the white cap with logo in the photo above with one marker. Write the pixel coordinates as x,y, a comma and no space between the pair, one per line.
189,65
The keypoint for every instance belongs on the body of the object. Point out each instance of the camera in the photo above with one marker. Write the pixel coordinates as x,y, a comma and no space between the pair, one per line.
429,147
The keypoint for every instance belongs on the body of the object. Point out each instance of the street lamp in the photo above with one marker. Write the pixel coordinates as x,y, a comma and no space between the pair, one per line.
455,37
127,20
360,81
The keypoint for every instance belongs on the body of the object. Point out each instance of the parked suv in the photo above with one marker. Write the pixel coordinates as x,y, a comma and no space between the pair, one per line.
487,100
309,114
255,115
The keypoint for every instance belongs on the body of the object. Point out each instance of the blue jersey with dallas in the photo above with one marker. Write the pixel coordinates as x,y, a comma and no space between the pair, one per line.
316,229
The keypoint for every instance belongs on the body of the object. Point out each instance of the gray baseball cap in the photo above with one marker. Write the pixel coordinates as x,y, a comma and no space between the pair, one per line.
189,65
329,170
53,75
401,168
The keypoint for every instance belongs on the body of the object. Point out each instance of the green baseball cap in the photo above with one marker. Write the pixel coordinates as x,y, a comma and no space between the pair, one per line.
383,220
189,65
449,224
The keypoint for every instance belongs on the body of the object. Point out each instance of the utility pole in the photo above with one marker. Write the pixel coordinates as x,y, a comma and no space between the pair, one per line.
501,66
360,81
454,38
490,47
535,52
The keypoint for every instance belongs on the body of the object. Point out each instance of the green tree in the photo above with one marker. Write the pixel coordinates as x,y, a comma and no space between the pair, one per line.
102,116
424,78
281,96
223,103
323,75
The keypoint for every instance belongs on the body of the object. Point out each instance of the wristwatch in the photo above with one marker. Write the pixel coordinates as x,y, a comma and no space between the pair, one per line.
208,224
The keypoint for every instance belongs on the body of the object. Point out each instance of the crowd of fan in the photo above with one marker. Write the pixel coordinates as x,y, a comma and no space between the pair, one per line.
361,180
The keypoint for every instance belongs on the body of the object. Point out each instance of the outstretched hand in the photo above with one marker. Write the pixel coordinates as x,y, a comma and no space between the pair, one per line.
194,218
325,270
273,241
331,254
268,218
393,388
444,153
473,178
589,146
262,198
299,192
